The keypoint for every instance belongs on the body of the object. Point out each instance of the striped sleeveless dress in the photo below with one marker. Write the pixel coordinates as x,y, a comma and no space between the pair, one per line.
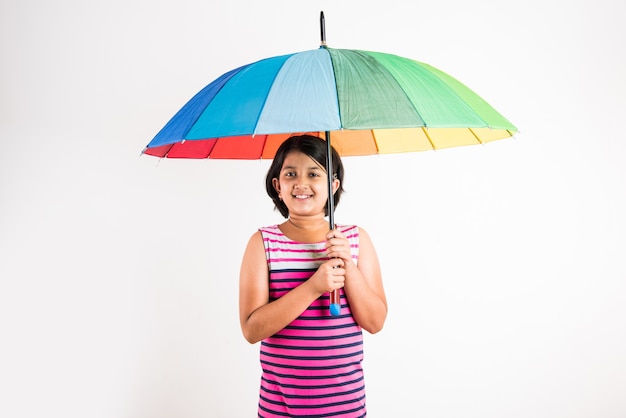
311,368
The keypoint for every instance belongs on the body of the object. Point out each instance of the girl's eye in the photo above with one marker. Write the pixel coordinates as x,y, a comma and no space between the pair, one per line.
290,174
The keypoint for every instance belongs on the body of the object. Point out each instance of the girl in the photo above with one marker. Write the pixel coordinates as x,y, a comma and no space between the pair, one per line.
311,360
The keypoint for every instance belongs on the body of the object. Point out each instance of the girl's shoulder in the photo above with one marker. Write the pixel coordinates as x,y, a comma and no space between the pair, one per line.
271,229
347,228
271,233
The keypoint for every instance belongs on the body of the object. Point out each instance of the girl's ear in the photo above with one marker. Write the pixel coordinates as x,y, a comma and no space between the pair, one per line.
276,185
336,184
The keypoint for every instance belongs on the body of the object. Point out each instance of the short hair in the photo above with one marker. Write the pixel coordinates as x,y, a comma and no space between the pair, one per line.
315,148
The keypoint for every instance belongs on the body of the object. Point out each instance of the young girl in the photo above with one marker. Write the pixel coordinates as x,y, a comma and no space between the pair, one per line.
311,360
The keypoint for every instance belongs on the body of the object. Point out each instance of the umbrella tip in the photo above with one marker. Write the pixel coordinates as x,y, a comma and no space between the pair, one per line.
322,29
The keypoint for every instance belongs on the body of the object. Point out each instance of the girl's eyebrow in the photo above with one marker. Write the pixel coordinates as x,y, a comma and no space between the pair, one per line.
291,167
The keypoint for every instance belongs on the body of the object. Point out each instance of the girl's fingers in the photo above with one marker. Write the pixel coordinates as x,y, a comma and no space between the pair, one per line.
334,234
341,251
335,241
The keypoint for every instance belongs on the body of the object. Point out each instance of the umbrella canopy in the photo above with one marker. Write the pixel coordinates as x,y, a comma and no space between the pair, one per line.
370,102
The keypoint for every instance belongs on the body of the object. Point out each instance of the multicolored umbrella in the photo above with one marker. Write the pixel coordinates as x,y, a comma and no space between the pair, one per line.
370,102
363,102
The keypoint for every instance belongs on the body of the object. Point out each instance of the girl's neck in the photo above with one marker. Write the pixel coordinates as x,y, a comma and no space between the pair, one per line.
308,223
305,229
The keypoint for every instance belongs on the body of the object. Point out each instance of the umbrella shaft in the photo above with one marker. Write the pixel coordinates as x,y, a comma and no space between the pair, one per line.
330,176
335,298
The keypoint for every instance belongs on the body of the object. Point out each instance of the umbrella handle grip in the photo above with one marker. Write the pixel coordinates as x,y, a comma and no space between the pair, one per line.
335,303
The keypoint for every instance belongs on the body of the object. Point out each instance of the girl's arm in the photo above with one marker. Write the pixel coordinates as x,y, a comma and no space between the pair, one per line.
363,285
261,318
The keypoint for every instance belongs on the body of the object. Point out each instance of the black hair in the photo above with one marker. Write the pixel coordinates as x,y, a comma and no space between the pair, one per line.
315,148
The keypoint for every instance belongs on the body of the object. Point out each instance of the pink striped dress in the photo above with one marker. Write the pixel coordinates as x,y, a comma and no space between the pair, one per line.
311,368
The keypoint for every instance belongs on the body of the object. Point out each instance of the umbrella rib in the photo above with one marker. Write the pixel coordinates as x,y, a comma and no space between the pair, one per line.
417,112
332,66
432,144
168,151
265,139
256,124
476,136
375,141
461,100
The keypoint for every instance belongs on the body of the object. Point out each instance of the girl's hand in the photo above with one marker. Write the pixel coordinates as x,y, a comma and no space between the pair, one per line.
338,246
329,276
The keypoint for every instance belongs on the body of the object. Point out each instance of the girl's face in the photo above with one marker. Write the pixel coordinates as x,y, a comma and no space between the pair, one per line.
302,185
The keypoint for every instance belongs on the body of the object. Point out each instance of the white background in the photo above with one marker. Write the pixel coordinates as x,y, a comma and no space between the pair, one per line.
504,263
